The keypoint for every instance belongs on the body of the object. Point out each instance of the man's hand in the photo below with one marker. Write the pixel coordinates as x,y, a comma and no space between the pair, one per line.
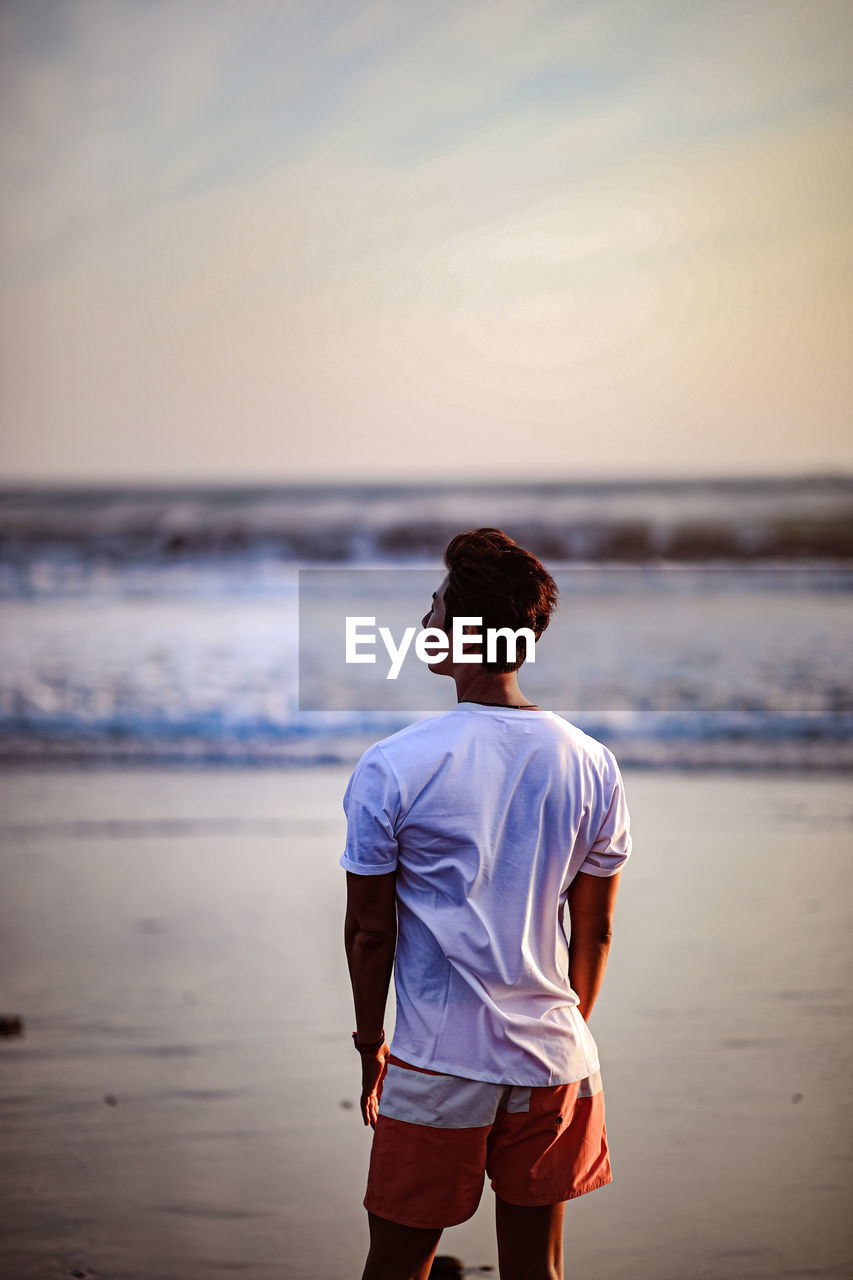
373,1068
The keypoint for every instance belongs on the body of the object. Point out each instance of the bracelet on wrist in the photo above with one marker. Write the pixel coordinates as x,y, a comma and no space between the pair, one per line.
368,1048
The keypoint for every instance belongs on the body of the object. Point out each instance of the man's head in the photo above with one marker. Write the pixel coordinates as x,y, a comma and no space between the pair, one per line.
490,577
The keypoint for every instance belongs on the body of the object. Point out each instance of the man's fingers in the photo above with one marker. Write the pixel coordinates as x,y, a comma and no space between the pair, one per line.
370,1109
373,1073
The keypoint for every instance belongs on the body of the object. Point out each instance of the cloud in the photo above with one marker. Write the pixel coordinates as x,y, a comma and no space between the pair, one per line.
465,218
113,110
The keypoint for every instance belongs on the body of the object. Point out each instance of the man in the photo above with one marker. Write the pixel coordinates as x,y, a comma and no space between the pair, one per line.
469,836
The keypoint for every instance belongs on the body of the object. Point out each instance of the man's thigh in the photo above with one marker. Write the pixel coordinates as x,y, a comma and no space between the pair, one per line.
549,1145
428,1160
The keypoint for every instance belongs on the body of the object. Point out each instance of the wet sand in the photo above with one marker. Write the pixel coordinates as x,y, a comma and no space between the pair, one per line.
183,1101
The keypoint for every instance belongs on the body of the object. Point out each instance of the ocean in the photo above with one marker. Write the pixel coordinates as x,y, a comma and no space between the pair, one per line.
171,943
702,623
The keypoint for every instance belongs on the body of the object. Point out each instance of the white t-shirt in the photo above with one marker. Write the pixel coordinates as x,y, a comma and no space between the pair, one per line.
487,814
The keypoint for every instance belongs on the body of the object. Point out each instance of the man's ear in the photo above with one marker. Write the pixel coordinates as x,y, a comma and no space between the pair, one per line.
476,643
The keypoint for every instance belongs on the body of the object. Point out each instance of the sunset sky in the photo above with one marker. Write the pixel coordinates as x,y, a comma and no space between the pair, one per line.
294,239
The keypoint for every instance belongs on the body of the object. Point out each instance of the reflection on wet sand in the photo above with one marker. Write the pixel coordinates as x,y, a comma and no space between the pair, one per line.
181,1101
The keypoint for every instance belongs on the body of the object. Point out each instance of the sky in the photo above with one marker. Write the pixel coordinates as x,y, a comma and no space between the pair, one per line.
276,241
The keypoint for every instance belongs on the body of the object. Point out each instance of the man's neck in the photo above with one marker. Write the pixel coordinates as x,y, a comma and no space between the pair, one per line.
492,688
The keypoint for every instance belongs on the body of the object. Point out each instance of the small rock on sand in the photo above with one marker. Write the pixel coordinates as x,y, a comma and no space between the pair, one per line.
446,1268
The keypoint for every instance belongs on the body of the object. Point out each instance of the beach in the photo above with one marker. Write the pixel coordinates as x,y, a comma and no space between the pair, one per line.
294,296
183,1101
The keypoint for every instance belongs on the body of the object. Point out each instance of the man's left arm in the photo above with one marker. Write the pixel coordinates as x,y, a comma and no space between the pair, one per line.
370,939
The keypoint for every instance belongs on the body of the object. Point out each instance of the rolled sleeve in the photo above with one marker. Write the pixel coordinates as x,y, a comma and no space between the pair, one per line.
611,847
372,806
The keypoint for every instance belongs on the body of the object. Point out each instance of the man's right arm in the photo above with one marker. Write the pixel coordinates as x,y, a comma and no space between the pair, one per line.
592,900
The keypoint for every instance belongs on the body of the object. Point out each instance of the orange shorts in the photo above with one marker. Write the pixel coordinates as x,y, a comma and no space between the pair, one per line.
437,1135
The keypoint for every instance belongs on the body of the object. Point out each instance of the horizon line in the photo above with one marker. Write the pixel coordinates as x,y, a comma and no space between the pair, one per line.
18,485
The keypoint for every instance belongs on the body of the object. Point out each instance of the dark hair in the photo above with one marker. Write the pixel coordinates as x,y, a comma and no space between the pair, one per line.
493,578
